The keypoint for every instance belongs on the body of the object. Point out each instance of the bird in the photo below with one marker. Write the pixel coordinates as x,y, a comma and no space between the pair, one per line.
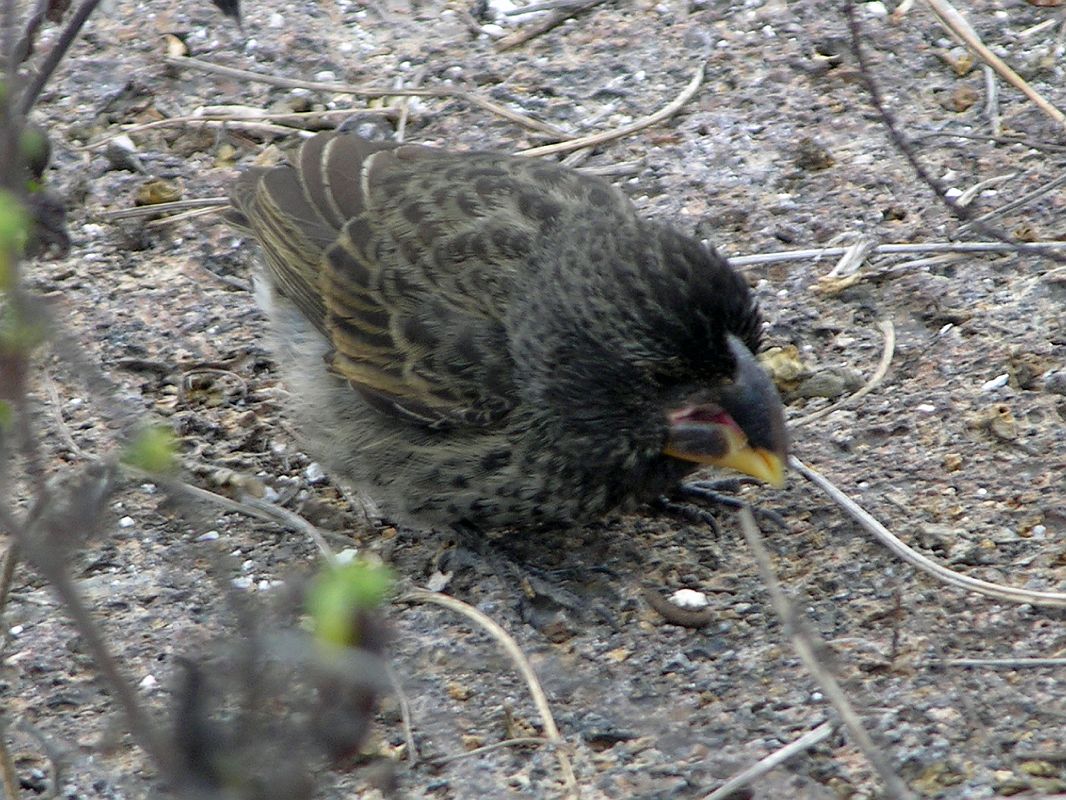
486,341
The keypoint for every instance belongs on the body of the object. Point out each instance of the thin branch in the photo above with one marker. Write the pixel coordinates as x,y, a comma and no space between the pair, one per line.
144,729
8,775
510,646
906,149
29,96
917,560
804,645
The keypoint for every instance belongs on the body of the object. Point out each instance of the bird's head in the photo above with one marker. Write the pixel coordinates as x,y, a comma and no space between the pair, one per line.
650,360
735,422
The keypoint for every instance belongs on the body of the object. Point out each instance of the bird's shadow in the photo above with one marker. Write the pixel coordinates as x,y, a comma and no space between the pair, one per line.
565,578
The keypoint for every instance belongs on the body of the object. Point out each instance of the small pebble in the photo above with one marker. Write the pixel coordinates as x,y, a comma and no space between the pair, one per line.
689,598
16,630
997,382
148,682
347,555
126,522
210,536
243,582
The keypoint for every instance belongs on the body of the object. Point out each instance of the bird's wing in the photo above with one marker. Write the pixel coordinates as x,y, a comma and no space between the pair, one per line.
405,257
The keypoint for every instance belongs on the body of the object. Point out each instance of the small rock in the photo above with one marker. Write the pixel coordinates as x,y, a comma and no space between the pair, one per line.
830,383
812,156
997,382
689,598
1055,382
157,190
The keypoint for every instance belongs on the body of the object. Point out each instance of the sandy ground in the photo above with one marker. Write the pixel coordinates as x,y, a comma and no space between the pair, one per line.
961,450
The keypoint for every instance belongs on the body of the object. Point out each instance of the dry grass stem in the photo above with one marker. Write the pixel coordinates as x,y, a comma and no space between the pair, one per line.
899,249
953,21
1000,663
254,507
805,646
510,646
370,91
1025,199
917,560
209,203
405,713
772,761
852,259
520,741
594,139
968,196
252,115
547,5
888,331
992,100
558,18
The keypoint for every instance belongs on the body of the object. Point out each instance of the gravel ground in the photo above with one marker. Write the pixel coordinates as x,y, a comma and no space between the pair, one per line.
961,450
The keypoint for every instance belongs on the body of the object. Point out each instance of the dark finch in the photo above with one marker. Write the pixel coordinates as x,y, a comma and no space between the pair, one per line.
485,340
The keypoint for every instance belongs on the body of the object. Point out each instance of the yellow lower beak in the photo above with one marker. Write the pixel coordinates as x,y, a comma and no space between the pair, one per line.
728,448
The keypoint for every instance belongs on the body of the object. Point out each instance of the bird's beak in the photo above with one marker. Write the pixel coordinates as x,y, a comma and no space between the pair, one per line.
743,430
723,444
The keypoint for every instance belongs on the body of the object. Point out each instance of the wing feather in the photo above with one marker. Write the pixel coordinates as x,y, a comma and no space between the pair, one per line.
405,257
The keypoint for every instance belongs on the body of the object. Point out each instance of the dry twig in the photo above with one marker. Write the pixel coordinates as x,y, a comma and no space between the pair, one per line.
510,646
951,19
591,140
888,330
775,759
902,249
805,646
371,91
558,18
916,559
1000,663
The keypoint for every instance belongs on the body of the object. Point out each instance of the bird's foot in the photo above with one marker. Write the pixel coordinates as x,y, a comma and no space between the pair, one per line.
713,493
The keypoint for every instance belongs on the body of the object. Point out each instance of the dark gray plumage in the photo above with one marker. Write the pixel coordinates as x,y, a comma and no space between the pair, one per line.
480,339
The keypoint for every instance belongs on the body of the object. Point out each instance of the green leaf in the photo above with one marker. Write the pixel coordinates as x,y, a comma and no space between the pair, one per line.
153,450
14,233
338,594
